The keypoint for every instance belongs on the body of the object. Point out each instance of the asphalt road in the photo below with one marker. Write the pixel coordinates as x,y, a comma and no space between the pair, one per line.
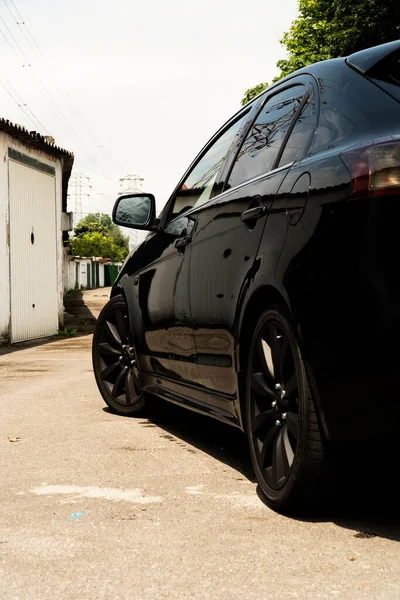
93,505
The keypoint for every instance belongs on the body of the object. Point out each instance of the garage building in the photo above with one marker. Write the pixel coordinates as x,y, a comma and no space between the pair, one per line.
34,222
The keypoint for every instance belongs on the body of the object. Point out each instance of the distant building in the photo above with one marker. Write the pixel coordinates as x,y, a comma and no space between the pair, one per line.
34,175
89,272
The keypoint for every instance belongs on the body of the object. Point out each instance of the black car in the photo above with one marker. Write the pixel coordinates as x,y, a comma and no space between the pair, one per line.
267,292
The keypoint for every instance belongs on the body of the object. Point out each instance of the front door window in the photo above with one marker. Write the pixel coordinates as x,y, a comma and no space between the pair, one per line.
199,186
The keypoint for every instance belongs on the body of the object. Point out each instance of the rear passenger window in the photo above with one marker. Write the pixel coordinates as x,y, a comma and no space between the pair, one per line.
263,142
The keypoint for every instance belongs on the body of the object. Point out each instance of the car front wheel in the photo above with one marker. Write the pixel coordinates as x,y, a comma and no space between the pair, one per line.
285,440
114,360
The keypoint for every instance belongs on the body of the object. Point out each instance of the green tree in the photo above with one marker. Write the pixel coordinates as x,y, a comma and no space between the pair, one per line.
97,235
330,28
253,92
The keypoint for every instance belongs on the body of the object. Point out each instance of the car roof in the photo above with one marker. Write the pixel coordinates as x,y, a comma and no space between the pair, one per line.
363,61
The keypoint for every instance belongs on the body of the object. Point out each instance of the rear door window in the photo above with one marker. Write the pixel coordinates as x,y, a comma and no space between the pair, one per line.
301,134
261,147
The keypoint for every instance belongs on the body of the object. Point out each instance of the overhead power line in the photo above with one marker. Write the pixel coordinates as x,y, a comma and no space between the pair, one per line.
49,99
14,94
38,52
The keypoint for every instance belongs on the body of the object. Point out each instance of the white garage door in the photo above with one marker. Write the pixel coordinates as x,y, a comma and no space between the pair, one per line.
33,252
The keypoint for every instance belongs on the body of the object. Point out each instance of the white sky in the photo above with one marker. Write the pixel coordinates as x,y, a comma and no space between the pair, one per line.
153,80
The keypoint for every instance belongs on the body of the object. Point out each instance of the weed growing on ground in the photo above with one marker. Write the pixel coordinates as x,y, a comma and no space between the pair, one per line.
66,332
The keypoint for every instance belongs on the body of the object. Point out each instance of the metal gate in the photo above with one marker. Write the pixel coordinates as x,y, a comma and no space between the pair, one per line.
33,251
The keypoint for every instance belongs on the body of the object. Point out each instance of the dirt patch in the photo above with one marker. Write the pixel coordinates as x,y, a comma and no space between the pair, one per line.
83,342
29,370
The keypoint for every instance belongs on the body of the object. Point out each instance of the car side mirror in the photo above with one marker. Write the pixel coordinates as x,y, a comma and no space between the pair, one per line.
136,211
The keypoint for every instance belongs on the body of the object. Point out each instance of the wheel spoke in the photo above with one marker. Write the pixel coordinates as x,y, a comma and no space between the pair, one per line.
106,349
112,334
118,384
287,449
266,447
259,420
291,386
292,423
267,364
135,378
122,326
131,393
279,460
279,347
109,369
260,386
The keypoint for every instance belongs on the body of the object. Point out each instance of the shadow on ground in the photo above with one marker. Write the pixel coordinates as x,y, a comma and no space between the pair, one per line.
363,492
38,343
78,314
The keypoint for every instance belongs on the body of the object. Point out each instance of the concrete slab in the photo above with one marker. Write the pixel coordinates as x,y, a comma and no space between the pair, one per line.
93,505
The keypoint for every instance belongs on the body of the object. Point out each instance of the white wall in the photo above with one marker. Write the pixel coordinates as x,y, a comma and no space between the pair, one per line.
69,273
70,263
101,274
6,142
82,272
4,246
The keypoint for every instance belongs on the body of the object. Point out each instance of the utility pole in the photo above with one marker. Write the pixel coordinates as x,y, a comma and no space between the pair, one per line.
131,184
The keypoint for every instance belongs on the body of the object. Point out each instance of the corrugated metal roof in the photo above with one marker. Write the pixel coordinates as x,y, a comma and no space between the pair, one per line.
32,138
39,141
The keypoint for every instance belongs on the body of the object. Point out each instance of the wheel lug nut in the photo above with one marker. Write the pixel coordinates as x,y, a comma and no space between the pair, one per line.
278,423
283,415
283,393
273,404
133,362
121,358
278,386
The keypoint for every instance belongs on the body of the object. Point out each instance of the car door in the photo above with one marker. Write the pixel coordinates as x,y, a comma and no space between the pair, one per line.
166,345
227,234
167,352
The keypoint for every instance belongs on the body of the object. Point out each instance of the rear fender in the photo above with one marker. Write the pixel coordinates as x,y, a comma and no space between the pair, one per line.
257,300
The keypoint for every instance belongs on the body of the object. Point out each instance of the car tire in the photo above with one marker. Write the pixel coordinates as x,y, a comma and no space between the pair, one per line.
114,360
285,439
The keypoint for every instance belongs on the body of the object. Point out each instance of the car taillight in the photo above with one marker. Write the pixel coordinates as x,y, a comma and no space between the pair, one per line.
375,167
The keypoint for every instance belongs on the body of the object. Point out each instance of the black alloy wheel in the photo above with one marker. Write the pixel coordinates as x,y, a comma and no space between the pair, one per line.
284,434
114,360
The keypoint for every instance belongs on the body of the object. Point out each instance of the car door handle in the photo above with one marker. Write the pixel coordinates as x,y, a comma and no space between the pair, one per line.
183,241
252,214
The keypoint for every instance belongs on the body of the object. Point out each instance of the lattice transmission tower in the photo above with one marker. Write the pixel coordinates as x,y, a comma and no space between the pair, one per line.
80,188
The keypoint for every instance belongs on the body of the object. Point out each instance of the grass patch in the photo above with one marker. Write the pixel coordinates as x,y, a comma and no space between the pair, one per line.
66,332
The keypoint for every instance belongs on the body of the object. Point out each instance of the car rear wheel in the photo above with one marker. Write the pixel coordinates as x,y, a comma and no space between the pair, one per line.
114,360
284,435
